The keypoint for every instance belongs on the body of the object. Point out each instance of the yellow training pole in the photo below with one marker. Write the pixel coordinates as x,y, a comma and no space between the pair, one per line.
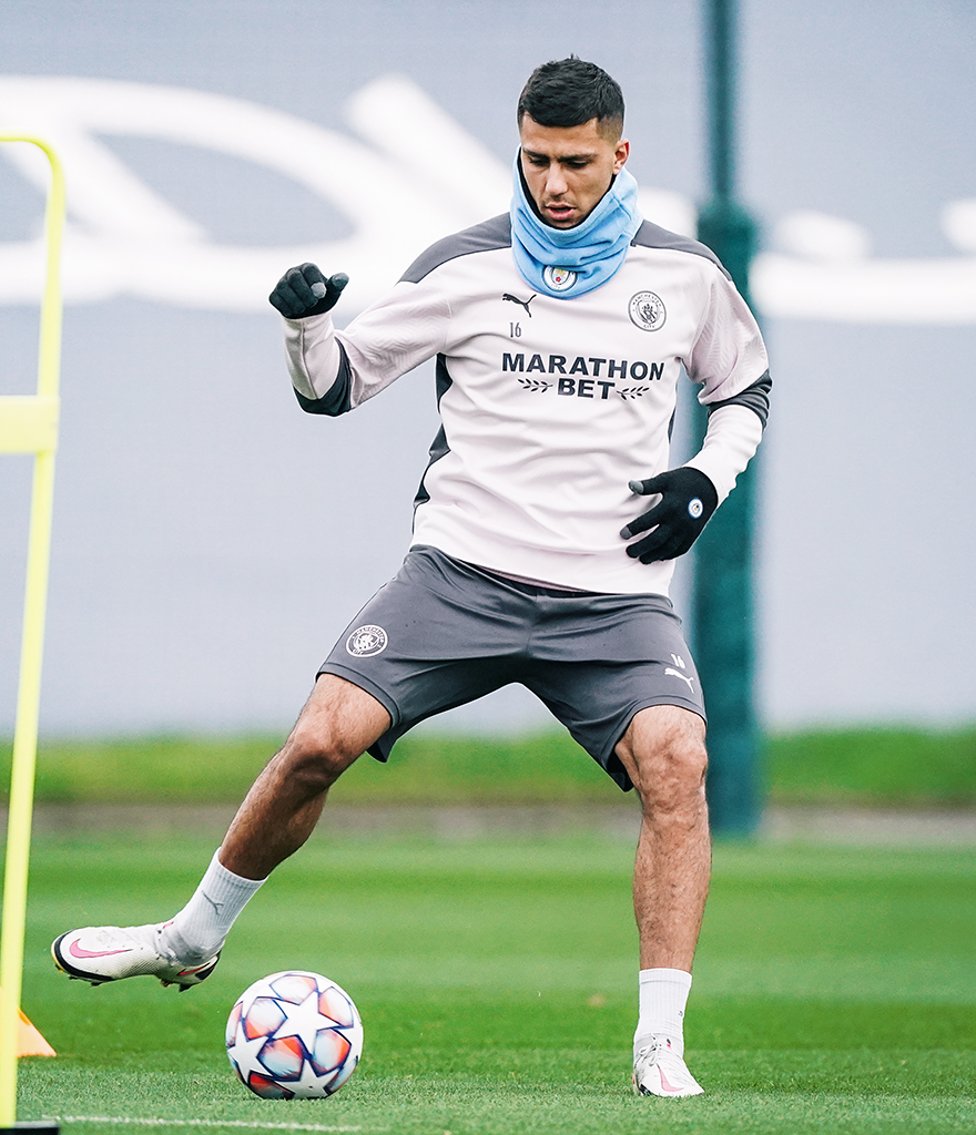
30,425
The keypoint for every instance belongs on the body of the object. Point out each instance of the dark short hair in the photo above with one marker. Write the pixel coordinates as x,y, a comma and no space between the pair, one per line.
569,92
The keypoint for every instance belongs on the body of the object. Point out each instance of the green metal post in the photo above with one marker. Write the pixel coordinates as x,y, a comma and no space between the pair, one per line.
723,626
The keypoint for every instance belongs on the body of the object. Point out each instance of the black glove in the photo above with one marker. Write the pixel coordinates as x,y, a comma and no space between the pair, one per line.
688,499
304,291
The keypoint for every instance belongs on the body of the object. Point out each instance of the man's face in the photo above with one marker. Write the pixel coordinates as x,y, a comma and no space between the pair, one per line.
569,168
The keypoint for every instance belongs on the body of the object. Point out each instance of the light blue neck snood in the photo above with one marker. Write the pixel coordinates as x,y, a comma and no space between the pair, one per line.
565,263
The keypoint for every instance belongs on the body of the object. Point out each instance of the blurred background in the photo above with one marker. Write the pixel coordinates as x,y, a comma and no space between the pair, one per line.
211,541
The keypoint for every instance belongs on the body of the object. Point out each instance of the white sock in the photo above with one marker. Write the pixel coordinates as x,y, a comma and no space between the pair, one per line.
198,931
663,997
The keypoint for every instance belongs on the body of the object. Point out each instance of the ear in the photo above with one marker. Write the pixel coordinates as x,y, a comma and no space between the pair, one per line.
621,154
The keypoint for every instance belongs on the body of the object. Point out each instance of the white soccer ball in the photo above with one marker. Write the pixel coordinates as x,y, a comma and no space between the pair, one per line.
294,1035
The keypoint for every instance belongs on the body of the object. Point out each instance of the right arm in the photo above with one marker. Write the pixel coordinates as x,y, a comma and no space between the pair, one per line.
335,371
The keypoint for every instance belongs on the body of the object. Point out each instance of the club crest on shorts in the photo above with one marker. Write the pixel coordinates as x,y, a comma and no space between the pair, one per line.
559,279
647,311
366,641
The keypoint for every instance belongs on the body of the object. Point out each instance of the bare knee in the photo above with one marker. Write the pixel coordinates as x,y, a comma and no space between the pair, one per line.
664,753
315,757
338,724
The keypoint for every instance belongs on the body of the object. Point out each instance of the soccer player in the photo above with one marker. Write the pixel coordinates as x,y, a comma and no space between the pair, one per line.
546,528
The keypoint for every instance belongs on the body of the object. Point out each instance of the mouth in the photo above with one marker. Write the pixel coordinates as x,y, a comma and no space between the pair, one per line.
557,212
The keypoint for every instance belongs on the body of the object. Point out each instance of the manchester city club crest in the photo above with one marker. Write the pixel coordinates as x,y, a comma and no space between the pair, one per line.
366,641
647,311
559,279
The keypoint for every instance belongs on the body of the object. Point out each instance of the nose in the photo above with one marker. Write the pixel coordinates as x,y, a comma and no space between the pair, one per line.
555,180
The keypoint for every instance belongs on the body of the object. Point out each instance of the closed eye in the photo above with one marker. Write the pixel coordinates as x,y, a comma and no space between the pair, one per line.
573,163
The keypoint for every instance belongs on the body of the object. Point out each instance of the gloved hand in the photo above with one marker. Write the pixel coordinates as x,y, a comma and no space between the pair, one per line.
304,291
688,499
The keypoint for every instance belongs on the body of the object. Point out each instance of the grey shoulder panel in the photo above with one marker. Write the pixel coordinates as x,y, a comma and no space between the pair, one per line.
754,397
653,236
484,237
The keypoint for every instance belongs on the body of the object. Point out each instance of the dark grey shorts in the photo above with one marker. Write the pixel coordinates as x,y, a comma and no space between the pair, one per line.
442,633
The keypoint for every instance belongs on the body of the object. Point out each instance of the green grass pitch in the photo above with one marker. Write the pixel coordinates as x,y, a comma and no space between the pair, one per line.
834,990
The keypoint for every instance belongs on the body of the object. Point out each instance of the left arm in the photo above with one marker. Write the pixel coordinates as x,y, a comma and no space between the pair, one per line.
726,359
